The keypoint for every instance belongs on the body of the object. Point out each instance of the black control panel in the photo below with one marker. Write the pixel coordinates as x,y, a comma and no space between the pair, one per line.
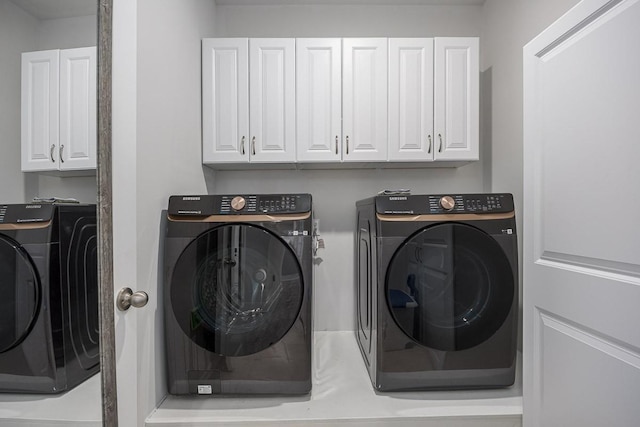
25,213
244,204
444,204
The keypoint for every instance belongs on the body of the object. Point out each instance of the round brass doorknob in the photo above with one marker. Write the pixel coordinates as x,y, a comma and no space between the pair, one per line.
127,298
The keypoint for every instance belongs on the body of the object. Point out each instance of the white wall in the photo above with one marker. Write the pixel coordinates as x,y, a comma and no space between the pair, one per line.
17,35
336,191
507,25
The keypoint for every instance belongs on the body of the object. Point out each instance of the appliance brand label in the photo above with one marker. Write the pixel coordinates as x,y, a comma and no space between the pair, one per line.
33,206
181,212
398,198
191,198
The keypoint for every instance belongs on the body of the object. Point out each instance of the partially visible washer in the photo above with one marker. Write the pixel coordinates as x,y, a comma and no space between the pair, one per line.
237,294
48,297
437,290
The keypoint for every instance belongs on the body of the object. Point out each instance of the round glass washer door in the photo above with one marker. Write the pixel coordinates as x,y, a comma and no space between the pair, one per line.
450,286
236,289
19,293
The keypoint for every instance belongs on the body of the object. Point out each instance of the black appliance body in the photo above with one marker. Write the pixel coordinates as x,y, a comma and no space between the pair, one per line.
49,317
237,294
437,291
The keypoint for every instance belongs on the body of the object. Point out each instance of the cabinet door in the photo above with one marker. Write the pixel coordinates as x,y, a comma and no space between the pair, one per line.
456,98
77,149
411,99
40,114
225,100
364,85
318,99
272,100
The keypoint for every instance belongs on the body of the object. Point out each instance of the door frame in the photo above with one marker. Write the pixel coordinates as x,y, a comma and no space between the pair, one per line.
105,218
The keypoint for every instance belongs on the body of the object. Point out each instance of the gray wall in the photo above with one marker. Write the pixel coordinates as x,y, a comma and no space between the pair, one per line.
18,33
21,32
335,191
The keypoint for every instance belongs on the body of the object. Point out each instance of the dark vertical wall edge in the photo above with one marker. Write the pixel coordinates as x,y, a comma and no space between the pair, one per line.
105,218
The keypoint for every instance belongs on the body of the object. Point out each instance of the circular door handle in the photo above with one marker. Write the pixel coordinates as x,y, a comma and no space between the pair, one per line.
127,298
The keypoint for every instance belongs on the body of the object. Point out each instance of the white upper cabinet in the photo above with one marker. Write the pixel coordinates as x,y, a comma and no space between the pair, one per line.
319,99
411,99
225,100
456,84
40,110
364,99
78,115
248,102
272,100
332,100
58,129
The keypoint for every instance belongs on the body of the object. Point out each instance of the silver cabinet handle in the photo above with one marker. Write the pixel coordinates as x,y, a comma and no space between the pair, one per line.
429,149
127,298
242,145
253,146
336,144
347,145
61,158
440,149
53,147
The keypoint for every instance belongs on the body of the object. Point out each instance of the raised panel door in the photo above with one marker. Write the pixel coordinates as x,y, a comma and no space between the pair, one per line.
456,118
77,148
581,238
411,99
272,100
319,99
225,100
364,83
40,110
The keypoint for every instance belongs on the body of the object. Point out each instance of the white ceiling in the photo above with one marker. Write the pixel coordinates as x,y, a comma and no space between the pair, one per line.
55,9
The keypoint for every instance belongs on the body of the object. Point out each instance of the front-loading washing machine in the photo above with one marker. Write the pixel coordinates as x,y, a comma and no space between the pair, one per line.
237,294
437,291
48,297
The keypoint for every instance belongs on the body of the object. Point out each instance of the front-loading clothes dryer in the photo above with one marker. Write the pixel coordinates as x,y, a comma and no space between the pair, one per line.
237,294
48,297
437,290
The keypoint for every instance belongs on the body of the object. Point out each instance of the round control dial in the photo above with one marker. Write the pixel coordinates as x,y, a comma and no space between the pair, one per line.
447,203
238,203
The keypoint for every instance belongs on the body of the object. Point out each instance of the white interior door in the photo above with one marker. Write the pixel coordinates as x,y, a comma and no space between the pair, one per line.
581,233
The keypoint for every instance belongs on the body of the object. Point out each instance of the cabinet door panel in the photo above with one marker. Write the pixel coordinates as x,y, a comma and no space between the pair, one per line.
225,100
365,99
78,109
456,98
318,99
411,99
272,100
40,110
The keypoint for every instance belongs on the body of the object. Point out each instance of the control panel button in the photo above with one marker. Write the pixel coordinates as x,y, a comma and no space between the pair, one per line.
238,203
447,203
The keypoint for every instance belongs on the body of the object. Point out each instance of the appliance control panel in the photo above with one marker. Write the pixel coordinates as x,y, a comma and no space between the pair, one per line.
445,204
26,213
244,204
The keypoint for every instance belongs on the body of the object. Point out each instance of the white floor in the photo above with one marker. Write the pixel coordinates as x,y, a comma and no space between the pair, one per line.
342,393
81,406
